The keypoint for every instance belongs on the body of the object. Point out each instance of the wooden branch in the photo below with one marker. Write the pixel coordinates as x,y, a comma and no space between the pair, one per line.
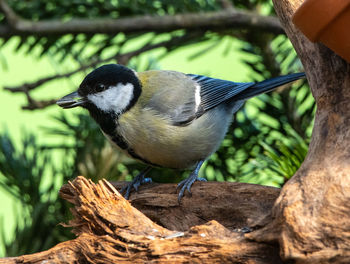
312,214
230,18
110,230
34,104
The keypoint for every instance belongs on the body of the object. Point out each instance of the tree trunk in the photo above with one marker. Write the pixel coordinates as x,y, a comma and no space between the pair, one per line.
312,214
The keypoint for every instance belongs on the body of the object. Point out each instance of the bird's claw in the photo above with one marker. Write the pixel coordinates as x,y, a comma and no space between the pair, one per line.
187,184
136,183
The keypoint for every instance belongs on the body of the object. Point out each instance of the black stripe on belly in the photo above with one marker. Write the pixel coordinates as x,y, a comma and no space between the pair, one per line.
119,140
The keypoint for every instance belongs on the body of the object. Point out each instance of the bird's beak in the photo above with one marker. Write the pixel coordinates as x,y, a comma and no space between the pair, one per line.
71,100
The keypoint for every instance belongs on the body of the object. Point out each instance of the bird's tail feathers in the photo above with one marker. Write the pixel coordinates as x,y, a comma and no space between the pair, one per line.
268,85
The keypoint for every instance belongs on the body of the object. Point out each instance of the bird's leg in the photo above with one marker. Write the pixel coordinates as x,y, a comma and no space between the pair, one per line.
136,182
187,183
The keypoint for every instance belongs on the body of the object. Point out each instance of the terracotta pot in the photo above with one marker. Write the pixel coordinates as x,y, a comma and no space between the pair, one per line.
326,21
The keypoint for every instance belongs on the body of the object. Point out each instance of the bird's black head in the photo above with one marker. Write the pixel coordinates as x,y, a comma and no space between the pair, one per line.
107,76
106,92
110,88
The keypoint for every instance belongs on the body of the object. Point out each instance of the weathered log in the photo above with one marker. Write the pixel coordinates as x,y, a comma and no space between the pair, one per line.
234,205
110,230
312,214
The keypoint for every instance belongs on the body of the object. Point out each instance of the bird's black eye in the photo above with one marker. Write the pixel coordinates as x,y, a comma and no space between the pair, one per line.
100,87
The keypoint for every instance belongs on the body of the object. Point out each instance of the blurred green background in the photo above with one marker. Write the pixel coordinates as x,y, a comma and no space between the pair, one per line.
40,149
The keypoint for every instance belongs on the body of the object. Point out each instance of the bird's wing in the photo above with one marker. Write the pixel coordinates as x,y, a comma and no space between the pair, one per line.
216,91
185,97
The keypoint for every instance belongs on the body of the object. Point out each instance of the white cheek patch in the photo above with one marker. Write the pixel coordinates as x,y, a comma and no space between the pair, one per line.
114,99
197,96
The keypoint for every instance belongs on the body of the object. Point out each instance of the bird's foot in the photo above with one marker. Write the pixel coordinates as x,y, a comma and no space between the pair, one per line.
136,183
187,184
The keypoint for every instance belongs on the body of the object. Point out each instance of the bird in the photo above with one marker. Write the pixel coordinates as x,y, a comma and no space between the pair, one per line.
164,118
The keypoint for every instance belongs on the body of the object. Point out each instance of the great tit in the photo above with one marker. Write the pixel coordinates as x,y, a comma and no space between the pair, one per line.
164,118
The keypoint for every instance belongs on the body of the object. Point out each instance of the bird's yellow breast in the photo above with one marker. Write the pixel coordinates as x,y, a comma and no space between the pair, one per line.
156,140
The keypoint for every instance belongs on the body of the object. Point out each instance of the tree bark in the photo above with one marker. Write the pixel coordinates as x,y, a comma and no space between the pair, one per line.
312,214
110,230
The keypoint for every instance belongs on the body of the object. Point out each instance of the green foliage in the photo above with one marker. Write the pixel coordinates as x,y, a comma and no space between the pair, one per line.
285,159
84,47
21,175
